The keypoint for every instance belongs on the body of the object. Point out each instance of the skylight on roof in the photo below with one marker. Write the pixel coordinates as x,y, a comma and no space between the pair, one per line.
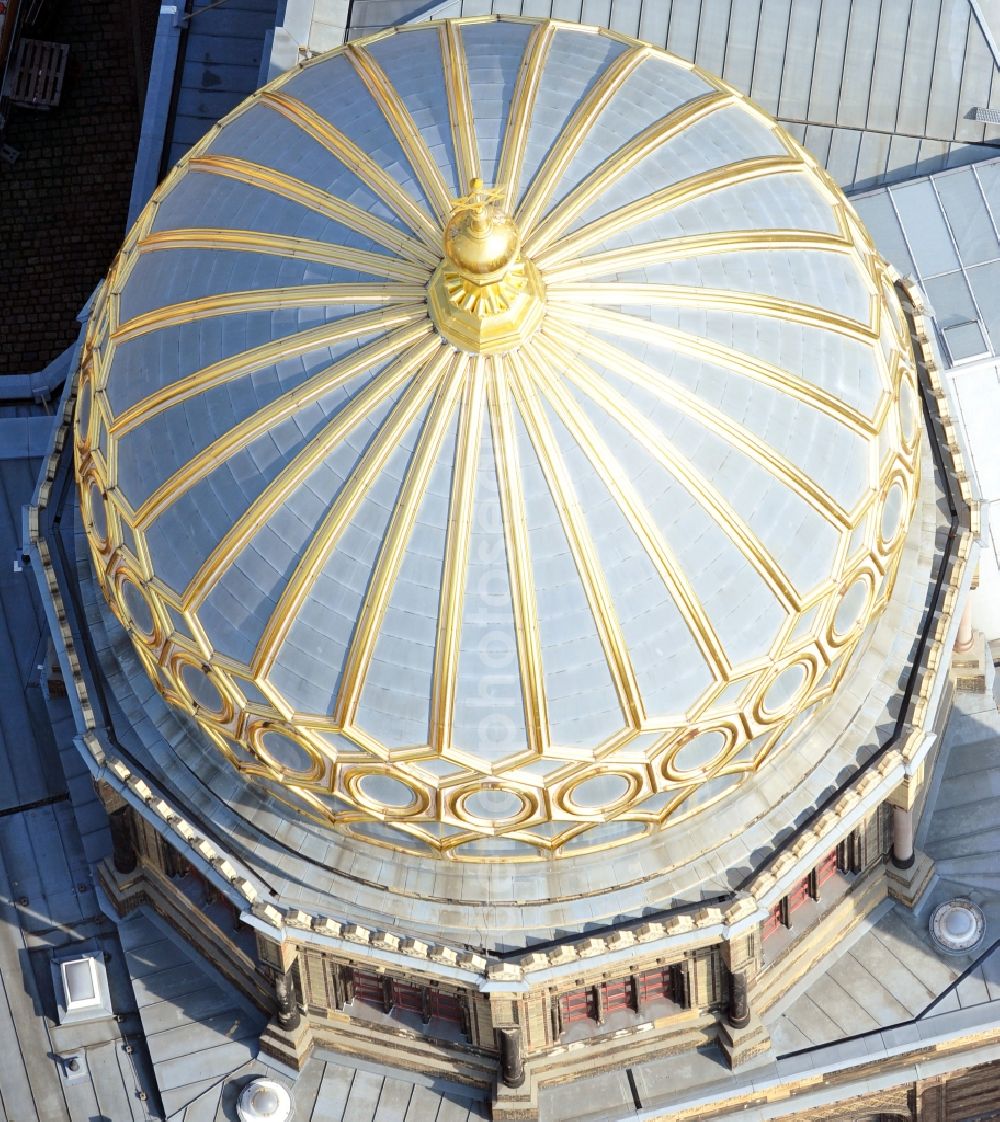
79,980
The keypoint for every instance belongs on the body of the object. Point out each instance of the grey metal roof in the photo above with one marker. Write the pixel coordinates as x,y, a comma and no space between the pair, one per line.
47,899
880,92
219,65
944,230
198,1029
339,1088
203,1040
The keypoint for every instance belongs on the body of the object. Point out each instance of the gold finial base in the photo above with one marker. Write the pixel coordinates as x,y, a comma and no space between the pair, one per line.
487,318
484,296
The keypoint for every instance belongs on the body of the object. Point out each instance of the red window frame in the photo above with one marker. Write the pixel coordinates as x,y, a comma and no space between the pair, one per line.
446,1006
798,895
368,989
656,984
773,921
617,994
408,997
578,1006
826,868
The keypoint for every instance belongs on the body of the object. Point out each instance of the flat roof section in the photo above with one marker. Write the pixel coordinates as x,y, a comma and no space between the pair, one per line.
944,229
48,907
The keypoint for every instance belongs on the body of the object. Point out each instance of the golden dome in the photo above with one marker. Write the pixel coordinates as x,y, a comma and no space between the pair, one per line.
497,436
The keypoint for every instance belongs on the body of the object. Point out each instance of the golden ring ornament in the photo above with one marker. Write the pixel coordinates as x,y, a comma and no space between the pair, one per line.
540,449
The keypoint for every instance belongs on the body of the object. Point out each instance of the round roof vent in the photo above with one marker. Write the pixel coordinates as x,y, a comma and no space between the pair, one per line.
957,926
263,1100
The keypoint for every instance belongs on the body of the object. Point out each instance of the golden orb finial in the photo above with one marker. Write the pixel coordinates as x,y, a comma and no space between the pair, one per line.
484,296
480,240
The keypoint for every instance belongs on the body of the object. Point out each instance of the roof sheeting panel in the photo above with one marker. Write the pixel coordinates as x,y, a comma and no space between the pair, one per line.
933,156
769,54
682,33
566,9
899,72
918,65
967,214
988,178
985,282
800,51
819,141
949,58
713,33
859,58
653,21
934,251
828,65
903,152
977,78
873,157
741,43
887,74
842,161
943,229
626,16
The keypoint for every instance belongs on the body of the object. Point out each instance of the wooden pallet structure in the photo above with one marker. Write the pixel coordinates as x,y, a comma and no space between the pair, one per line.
36,80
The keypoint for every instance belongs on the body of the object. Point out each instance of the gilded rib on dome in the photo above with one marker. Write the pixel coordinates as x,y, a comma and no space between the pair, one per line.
497,593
